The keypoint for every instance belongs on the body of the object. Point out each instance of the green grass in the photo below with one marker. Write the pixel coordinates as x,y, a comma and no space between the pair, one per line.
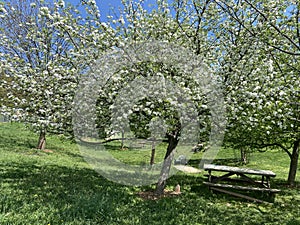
135,155
61,188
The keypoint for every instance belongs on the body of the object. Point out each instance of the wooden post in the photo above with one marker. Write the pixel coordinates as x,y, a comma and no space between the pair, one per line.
209,175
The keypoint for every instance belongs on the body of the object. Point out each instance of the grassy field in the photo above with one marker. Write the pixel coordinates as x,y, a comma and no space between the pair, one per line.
59,187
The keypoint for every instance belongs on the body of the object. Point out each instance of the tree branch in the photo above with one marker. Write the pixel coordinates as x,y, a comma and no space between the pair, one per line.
275,145
272,25
252,33
297,22
71,38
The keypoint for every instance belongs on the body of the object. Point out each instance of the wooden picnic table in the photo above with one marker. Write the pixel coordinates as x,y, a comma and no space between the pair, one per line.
242,175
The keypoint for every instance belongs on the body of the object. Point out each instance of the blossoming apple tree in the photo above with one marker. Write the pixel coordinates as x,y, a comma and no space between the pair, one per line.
261,74
44,49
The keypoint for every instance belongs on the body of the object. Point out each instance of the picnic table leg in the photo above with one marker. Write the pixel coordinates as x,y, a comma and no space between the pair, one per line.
263,180
248,179
268,181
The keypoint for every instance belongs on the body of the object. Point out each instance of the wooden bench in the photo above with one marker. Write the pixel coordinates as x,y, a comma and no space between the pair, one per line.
263,185
242,187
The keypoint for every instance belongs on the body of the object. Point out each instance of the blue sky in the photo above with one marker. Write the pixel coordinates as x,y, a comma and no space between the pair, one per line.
105,6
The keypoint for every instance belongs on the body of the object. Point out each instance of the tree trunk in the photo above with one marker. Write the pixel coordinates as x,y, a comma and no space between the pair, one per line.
42,140
152,153
164,174
122,142
244,155
294,163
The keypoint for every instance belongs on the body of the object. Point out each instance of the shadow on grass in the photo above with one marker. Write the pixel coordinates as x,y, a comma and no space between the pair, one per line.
41,192
17,142
68,195
34,194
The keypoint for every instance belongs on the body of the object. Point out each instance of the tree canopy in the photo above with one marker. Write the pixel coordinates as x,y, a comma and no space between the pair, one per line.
251,50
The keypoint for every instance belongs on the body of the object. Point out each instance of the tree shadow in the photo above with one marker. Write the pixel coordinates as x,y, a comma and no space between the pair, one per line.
80,195
67,194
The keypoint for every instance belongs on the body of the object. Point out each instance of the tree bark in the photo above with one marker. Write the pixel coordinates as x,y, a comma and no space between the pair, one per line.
164,174
122,142
294,163
42,140
152,153
244,155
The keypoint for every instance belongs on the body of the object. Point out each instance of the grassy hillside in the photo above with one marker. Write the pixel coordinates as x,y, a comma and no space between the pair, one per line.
59,187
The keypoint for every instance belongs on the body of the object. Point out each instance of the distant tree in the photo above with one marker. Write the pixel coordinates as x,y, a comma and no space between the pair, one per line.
44,48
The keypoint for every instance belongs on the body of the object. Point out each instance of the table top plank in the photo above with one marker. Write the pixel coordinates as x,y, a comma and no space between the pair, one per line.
212,167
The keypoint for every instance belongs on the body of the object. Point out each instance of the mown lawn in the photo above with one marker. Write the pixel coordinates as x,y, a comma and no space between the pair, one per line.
59,187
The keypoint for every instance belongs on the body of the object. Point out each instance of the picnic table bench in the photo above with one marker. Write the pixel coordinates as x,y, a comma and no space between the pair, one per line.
242,176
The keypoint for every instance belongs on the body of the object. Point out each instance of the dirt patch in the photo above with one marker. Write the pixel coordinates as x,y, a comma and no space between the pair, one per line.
48,151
